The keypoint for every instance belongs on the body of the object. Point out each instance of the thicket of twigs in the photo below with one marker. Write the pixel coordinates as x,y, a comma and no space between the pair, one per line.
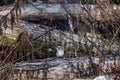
26,48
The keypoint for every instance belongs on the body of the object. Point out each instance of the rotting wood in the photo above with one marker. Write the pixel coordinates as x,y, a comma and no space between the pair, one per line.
67,68
38,11
64,37
56,11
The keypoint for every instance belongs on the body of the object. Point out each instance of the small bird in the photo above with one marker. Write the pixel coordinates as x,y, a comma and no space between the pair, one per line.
60,52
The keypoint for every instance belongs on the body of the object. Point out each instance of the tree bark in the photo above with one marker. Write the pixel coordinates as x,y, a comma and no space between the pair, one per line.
38,11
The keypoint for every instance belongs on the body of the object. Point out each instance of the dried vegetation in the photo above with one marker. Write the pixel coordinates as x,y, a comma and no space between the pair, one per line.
102,41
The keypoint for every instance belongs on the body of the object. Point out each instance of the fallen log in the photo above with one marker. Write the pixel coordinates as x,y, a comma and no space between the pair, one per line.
70,68
38,11
39,31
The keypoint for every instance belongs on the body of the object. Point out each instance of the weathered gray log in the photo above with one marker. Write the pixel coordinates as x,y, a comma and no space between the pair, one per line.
38,11
37,31
70,68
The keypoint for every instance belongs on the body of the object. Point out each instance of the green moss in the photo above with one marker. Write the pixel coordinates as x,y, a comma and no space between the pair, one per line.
8,42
